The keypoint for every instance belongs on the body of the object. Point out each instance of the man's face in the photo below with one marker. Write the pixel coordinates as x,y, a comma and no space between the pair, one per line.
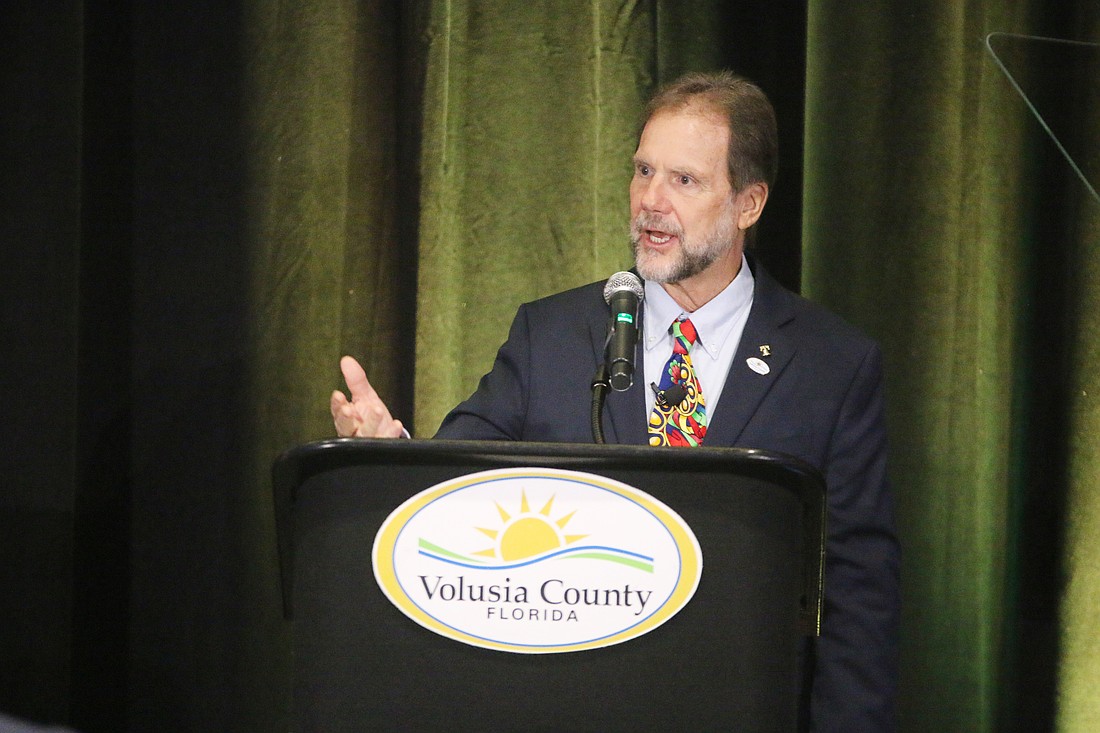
681,203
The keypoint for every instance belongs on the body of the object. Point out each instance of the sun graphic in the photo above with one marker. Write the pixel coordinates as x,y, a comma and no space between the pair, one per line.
527,533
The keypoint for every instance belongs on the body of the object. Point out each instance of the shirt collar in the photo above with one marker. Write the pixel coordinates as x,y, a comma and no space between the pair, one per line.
713,322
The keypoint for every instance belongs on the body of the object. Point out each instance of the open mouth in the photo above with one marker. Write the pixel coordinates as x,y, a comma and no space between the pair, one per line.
660,239
654,236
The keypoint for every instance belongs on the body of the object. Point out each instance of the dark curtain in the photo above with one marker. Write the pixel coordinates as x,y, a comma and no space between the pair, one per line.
205,205
40,184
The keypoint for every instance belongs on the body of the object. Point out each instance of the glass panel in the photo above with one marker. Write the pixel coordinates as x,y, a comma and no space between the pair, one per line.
1059,81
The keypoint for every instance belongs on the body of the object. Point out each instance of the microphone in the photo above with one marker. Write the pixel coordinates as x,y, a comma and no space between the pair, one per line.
623,293
674,395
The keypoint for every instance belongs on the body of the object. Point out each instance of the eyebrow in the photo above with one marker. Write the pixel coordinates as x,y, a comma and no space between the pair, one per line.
682,170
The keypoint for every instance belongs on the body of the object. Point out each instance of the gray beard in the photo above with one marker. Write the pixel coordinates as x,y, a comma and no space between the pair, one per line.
691,259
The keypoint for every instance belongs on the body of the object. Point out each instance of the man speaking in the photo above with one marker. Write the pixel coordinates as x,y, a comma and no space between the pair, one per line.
729,358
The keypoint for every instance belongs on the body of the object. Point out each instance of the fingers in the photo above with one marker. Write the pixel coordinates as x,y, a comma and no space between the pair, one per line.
365,416
374,417
344,416
337,401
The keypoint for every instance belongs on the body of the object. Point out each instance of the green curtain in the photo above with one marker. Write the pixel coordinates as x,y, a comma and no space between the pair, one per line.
1079,698
1079,678
326,249
528,135
936,218
914,229
330,263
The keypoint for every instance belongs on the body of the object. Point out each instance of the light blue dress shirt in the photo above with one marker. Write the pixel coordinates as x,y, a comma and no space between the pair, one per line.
719,325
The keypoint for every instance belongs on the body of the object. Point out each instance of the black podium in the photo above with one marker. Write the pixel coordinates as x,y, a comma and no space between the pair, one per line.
726,661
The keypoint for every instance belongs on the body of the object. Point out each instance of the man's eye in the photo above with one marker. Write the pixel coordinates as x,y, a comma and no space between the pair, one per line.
643,170
685,180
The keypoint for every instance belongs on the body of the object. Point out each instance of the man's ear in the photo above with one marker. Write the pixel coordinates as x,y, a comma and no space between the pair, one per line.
749,203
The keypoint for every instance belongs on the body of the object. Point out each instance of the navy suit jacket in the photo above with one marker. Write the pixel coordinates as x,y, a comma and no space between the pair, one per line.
821,401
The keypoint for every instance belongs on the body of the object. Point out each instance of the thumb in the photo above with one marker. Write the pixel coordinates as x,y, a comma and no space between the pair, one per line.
356,379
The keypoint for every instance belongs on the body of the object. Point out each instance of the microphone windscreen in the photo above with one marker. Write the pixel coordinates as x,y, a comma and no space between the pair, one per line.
623,281
674,395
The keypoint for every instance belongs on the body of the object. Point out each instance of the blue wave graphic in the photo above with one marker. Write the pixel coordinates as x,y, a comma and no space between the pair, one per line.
600,552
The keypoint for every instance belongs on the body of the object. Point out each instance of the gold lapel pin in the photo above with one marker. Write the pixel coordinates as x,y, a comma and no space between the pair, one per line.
766,350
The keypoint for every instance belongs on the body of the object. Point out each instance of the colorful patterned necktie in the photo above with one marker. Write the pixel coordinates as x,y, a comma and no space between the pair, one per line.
682,422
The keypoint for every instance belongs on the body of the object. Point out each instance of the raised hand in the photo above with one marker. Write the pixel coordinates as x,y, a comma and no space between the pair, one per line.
365,416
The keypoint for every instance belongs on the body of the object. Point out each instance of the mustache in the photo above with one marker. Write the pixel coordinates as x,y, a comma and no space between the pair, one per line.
648,220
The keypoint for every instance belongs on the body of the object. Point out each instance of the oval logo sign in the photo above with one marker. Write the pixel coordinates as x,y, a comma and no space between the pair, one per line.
536,560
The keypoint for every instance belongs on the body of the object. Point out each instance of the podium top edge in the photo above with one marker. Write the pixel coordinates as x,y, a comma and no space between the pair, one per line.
308,459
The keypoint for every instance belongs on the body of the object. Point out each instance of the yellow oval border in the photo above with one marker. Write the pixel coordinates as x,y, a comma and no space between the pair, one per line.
691,557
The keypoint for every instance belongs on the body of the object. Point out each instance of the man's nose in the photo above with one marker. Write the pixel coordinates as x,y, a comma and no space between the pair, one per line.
655,196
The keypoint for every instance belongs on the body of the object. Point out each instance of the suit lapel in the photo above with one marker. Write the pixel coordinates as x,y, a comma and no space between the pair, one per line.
763,344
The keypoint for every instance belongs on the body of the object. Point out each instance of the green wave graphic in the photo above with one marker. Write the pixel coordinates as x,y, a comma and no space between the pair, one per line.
441,551
562,554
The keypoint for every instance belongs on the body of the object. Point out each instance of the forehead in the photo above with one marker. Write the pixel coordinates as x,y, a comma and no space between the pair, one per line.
687,136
